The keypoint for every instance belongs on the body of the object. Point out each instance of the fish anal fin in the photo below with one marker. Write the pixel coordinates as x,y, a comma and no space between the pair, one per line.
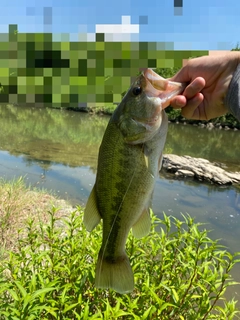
91,214
143,226
117,275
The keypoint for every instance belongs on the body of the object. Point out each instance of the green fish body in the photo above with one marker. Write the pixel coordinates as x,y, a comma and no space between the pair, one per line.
129,161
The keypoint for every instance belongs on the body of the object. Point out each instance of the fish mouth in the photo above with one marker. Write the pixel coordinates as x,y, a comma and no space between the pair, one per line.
162,88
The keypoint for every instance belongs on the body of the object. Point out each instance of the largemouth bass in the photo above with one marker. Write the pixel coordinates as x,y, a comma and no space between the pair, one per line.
129,161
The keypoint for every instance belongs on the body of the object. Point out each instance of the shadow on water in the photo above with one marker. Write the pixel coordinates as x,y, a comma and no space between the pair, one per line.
58,150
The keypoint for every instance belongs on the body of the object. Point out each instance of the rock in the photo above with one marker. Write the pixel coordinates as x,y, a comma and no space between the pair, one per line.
219,164
210,126
201,169
185,173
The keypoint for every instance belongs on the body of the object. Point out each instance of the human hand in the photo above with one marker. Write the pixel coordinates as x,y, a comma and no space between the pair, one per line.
208,78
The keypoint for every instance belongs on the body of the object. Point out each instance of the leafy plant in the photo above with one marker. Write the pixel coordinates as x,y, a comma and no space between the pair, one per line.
18,203
180,273
173,114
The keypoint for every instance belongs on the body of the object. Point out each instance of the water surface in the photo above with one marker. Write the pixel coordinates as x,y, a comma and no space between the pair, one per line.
58,150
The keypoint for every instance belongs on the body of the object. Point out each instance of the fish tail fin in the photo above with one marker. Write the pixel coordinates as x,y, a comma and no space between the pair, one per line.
117,275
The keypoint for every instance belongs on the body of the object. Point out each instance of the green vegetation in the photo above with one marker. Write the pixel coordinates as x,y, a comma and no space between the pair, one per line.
90,76
17,205
228,120
61,74
48,272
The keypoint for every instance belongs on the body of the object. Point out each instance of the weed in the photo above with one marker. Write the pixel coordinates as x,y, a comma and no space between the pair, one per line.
180,273
18,203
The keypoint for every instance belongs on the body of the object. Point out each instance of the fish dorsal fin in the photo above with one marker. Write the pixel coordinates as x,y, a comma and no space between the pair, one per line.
142,227
91,214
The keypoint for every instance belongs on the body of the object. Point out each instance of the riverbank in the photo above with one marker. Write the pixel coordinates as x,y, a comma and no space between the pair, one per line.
20,204
226,122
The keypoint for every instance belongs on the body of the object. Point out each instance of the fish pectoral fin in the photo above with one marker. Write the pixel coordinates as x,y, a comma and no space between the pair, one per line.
160,160
146,154
143,226
146,160
91,214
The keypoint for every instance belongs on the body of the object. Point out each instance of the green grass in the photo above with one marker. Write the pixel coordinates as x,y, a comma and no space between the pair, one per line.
180,273
18,204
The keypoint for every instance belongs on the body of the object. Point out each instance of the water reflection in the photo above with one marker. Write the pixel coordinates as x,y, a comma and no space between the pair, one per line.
73,139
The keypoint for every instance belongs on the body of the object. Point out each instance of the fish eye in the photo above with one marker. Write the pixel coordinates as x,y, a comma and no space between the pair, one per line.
137,90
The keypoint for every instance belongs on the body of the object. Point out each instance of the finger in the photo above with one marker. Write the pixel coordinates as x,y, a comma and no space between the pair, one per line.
194,87
178,102
192,108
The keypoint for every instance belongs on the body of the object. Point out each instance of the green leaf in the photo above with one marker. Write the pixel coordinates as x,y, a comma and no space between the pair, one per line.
13,294
69,307
156,298
164,306
146,313
41,291
26,300
21,288
33,283
117,307
3,288
121,313
86,311
176,297
51,310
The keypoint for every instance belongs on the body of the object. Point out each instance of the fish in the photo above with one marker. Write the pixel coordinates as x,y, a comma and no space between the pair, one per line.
129,160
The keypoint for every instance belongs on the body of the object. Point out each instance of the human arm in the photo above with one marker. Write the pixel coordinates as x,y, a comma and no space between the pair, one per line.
214,86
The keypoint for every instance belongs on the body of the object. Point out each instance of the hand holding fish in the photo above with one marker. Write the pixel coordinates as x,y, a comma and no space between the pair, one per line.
209,78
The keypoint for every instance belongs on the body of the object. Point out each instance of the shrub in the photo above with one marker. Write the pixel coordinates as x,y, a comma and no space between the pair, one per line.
180,273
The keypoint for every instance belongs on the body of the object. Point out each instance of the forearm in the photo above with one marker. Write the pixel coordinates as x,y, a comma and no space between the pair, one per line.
232,99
